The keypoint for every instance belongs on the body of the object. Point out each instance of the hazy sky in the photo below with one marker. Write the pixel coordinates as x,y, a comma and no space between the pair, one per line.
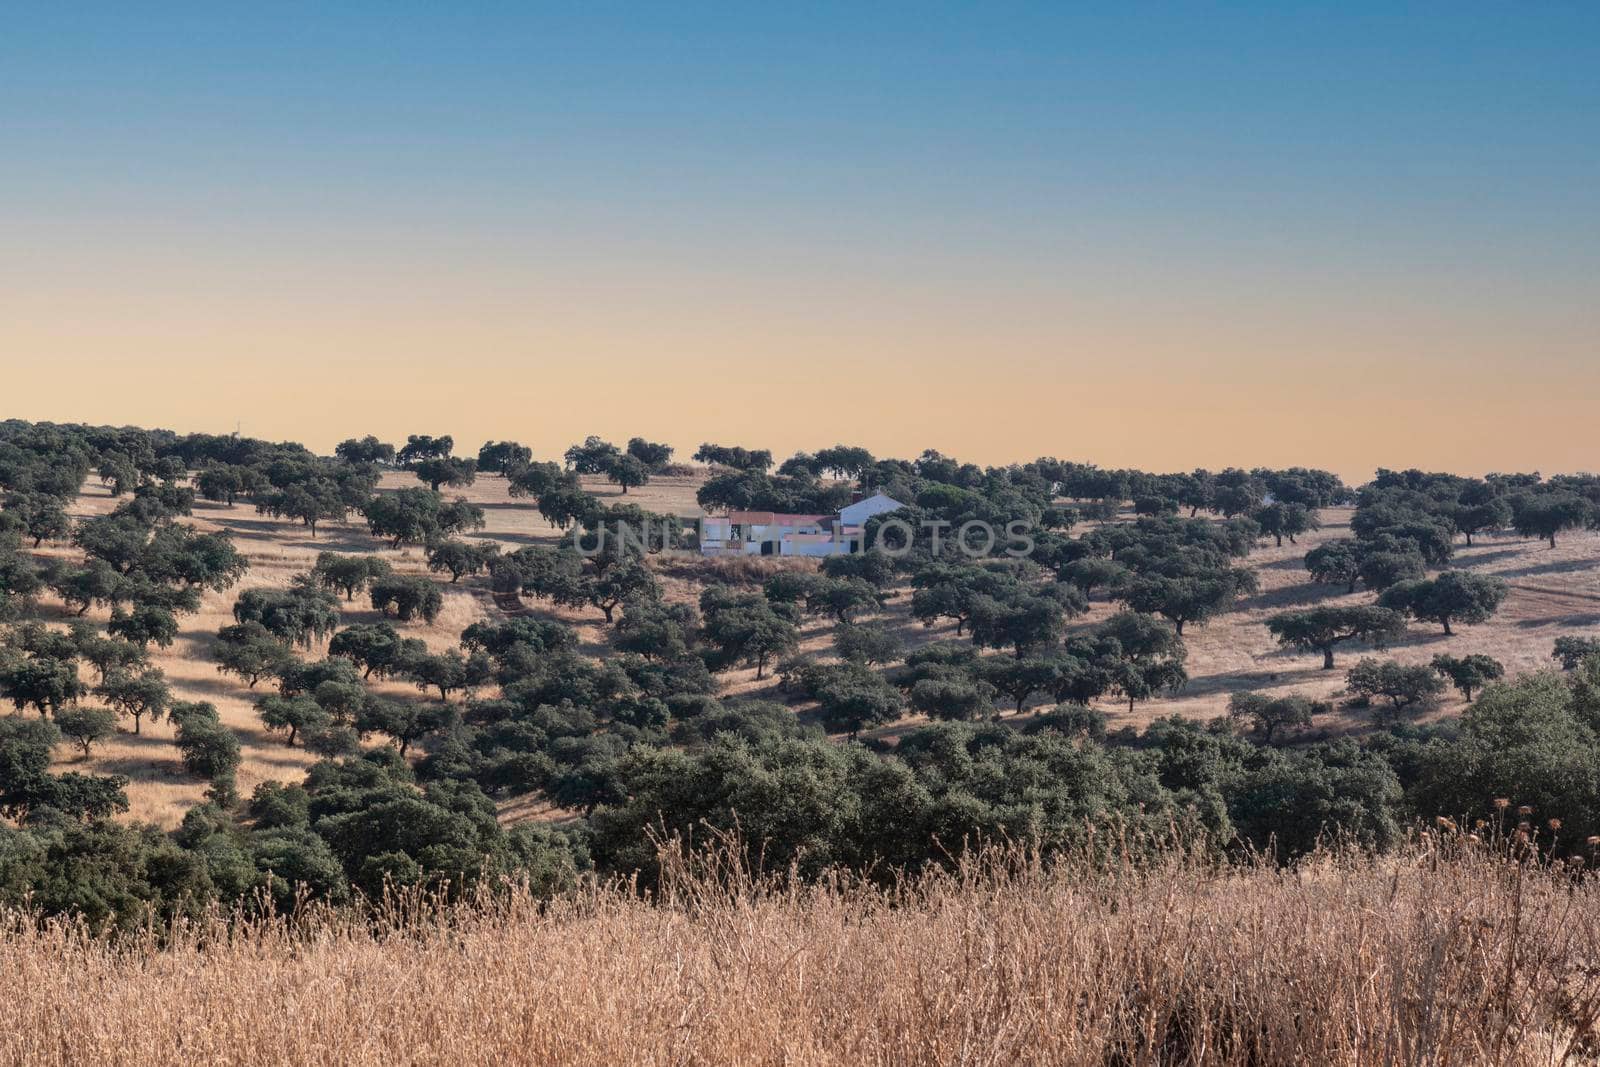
1167,236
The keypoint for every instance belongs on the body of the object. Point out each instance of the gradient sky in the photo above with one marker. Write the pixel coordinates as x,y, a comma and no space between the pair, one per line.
1166,236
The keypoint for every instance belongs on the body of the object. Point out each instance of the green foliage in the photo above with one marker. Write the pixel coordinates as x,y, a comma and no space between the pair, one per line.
1270,717
1454,596
1280,519
299,615
1571,652
419,516
419,447
1549,514
293,715
746,628
445,470
85,726
97,583
460,558
146,625
348,574
593,456
210,750
136,694
735,457
503,457
46,683
1336,563
628,471
1324,629
1469,674
250,651
366,449
310,503
406,597
1528,742
1402,686
39,516
951,699
1194,595
377,648
841,599
868,644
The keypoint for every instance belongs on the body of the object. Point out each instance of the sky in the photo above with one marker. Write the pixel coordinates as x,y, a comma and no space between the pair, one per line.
1162,236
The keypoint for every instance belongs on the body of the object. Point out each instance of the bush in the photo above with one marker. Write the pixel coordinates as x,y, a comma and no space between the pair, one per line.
1401,686
407,597
85,726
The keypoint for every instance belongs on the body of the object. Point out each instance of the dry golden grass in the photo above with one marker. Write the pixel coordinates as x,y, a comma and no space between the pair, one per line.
1445,954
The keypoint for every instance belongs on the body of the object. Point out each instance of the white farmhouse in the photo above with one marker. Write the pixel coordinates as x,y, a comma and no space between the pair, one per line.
857,514
768,533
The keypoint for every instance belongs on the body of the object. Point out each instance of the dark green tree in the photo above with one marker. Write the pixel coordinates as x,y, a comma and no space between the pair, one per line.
630,472
1454,596
136,695
746,628
1272,716
1324,629
503,457
1549,514
460,558
1336,563
1402,686
1469,674
406,597
85,726
445,470
348,573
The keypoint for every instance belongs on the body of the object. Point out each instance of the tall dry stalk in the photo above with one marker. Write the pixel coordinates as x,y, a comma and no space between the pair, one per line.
1451,953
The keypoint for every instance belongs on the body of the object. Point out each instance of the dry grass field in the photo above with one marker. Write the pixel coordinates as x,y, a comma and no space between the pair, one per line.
1442,954
1553,592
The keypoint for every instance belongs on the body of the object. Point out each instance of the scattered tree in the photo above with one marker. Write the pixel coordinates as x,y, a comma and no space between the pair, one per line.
1454,596
406,597
1469,674
85,726
1401,685
1271,716
1324,629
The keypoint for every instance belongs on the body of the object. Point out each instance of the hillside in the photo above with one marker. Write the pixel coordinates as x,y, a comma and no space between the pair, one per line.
1553,593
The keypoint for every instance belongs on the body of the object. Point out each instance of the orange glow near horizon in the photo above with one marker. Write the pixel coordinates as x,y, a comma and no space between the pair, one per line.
1209,238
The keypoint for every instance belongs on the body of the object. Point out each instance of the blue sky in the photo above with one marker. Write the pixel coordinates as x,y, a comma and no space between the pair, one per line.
1060,192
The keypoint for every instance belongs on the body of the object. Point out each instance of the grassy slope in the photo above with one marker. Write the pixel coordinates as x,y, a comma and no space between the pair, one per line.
1554,592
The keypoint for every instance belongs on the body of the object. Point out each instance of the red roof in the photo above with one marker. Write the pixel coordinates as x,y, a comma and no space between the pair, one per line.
770,518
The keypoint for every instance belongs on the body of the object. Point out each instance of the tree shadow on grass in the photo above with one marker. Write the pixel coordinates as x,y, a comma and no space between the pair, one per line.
1418,638
220,686
1570,622
1571,566
331,537
548,540
1271,678
1302,595
1470,557
136,769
